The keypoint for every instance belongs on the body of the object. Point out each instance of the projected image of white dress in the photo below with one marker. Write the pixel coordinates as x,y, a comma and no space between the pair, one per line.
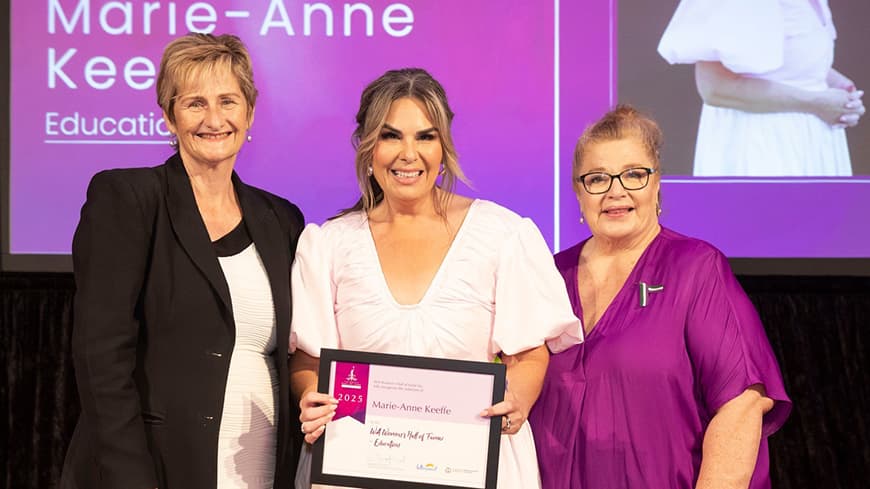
773,104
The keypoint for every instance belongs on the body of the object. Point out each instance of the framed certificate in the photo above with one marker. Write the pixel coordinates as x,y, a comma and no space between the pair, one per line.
408,422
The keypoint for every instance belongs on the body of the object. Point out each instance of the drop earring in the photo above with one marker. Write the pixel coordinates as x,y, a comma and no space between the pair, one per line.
370,171
173,141
582,220
658,208
249,138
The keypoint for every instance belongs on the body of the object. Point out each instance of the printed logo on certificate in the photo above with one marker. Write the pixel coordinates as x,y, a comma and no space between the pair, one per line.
408,422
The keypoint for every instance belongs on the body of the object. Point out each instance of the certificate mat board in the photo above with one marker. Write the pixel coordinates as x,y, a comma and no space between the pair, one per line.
408,422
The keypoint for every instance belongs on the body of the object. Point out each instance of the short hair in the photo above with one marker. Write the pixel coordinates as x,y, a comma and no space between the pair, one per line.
622,122
375,102
196,54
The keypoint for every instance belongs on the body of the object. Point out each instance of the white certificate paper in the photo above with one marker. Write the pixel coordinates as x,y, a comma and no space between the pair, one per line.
419,427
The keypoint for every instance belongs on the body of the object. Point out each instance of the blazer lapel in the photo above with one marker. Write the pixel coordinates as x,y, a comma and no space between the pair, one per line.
190,228
272,245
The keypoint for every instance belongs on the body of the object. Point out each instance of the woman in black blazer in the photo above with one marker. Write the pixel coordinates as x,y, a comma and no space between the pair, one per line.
182,310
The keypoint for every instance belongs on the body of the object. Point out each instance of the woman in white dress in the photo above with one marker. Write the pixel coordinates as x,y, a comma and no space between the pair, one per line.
773,104
415,269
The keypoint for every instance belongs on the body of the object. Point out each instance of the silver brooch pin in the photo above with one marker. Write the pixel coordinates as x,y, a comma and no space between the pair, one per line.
646,290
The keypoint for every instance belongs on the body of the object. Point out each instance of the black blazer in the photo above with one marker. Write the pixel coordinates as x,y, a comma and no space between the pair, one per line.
154,331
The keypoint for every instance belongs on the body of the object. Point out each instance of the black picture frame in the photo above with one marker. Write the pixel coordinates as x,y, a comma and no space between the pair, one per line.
496,370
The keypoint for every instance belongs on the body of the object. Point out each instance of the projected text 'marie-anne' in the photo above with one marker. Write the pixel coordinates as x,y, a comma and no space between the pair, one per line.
67,70
317,18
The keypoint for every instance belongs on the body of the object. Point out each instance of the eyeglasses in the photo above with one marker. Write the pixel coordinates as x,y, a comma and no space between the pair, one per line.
599,182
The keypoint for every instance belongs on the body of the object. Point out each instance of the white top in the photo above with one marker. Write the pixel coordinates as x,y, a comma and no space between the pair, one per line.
784,41
497,290
246,442
497,260
789,41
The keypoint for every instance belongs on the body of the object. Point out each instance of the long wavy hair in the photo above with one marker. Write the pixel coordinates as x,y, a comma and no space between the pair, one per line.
374,106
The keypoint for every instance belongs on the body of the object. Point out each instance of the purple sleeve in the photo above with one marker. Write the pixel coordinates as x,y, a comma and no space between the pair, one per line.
727,343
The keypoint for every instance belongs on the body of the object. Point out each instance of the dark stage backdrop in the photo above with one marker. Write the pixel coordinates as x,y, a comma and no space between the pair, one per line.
818,327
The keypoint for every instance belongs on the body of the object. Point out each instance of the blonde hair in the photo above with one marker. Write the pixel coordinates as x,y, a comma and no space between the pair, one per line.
197,54
622,122
374,106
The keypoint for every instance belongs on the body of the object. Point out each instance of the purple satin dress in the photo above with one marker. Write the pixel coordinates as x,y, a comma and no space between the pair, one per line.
628,407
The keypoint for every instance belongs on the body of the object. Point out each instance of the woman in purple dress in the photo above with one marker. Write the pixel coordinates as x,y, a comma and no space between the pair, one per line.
676,385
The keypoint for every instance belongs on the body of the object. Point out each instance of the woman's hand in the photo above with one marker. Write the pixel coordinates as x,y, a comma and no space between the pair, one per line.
513,411
525,376
855,106
841,105
316,410
838,107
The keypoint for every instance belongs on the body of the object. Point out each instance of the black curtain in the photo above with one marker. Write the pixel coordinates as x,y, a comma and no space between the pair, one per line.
817,326
37,391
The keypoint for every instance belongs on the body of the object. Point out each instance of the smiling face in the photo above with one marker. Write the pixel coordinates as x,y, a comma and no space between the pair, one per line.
211,118
408,153
618,215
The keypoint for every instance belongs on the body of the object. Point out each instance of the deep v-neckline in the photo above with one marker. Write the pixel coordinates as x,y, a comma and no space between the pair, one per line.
630,279
436,277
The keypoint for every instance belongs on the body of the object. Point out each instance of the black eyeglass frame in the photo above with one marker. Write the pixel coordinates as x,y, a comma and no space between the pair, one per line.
580,179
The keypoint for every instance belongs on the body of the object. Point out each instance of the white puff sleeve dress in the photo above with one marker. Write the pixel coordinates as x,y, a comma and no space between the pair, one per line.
497,290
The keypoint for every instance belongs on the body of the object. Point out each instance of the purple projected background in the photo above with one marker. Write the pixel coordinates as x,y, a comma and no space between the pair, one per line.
524,79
